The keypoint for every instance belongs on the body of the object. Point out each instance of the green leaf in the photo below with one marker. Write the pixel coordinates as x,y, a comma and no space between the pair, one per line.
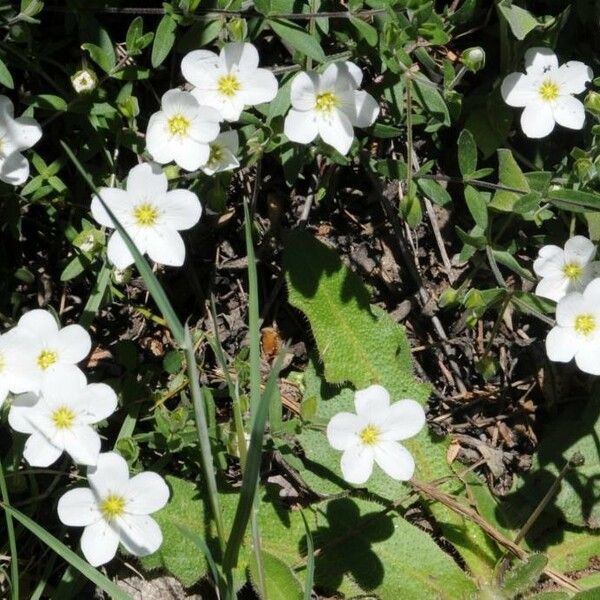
523,576
134,32
105,60
47,102
574,200
366,31
163,40
510,176
520,21
477,206
280,581
431,100
297,37
434,191
75,267
67,554
467,153
5,76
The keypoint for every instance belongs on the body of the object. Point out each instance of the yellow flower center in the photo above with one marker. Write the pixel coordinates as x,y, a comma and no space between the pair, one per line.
572,271
228,85
145,214
326,102
46,359
216,155
178,125
549,90
63,417
585,324
112,506
369,436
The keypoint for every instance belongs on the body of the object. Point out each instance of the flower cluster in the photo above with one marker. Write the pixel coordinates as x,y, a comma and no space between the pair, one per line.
571,277
57,409
372,435
546,91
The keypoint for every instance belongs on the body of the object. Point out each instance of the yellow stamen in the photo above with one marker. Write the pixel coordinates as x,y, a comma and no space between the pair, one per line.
572,271
63,417
46,359
585,324
326,102
549,90
178,125
145,214
228,85
112,506
370,435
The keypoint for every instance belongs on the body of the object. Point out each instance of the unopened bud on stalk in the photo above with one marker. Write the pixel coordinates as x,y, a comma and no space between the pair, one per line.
84,81
592,103
473,59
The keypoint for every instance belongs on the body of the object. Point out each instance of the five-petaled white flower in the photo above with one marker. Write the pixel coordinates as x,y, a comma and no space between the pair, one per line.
229,81
15,135
546,92
223,152
329,105
59,418
372,434
43,346
115,509
150,214
577,331
182,130
568,270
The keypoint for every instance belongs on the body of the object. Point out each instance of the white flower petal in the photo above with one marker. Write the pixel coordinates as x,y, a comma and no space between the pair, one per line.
200,67
303,90
146,180
39,452
239,54
39,322
539,60
146,493
587,358
117,201
14,169
258,86
6,106
205,128
182,209
579,249
99,543
25,132
78,508
366,109
63,384
336,78
230,108
550,262
569,307
20,410
230,139
140,534
301,126
518,90
189,155
573,77
357,464
73,343
336,130
591,294
82,444
100,401
110,475
395,460
553,288
165,246
343,430
156,133
177,101
352,70
562,344
569,112
404,419
372,401
118,253
537,120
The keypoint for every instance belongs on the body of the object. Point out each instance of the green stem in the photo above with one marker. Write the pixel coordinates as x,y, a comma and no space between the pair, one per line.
12,540
409,139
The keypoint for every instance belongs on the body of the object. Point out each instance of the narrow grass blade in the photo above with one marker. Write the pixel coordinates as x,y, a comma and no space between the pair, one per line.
203,436
12,540
144,268
63,551
310,561
252,470
93,304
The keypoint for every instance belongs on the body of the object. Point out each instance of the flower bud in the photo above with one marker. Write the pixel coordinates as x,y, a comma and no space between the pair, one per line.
121,276
84,81
129,107
592,103
473,59
171,171
238,29
585,170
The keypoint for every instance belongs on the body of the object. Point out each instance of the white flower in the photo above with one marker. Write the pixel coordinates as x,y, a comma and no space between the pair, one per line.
150,214
13,377
546,92
15,135
115,509
84,81
59,418
182,130
568,270
329,105
223,152
372,435
229,81
43,347
577,331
